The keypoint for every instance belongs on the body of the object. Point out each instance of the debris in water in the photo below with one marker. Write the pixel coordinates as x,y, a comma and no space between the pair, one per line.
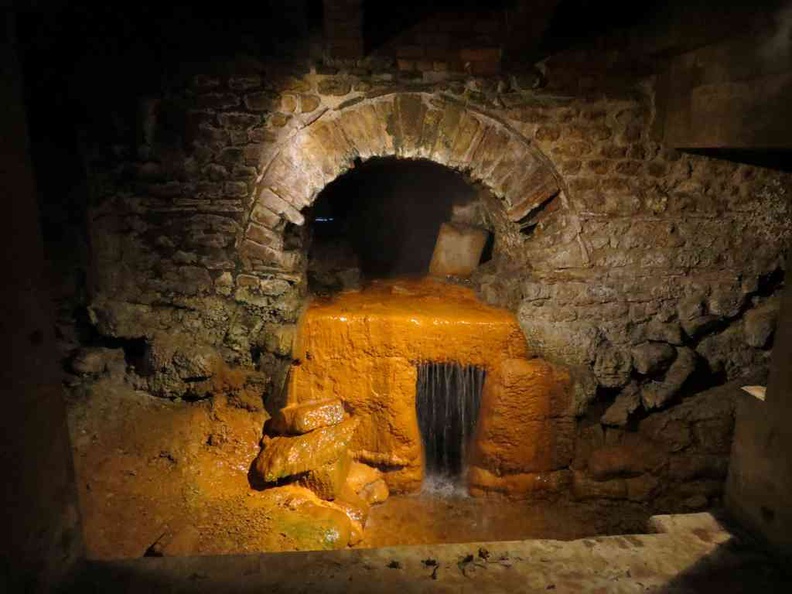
394,565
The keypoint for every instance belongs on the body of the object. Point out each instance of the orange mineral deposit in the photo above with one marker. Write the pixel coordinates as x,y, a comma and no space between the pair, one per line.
363,348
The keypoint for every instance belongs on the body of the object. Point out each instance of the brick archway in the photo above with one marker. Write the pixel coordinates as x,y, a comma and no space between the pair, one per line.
403,125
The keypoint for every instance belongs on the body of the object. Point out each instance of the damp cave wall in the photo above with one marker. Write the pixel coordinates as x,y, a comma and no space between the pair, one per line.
653,274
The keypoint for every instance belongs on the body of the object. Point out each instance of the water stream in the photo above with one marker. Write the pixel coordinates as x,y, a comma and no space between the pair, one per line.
447,400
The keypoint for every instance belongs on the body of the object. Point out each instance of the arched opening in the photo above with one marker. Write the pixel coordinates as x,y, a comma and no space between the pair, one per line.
381,220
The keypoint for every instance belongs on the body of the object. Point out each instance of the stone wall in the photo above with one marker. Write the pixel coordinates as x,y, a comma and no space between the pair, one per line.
651,273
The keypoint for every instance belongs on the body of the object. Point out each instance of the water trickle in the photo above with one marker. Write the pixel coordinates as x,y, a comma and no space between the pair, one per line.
447,400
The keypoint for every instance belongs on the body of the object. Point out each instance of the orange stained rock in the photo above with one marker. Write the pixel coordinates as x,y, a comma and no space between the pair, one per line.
375,492
361,475
304,418
483,482
355,507
367,482
418,320
287,456
329,480
362,347
525,421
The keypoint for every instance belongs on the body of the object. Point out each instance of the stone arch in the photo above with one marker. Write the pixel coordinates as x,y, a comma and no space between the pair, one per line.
402,125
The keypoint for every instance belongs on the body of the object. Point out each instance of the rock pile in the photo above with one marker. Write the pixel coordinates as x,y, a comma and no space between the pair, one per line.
310,450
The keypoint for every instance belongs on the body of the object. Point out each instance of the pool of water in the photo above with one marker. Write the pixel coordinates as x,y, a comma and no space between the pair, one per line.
441,514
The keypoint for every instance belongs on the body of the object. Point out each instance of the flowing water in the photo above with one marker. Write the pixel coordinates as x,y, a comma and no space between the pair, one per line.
447,400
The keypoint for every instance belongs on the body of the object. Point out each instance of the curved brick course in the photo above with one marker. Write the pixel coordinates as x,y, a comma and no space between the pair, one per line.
404,125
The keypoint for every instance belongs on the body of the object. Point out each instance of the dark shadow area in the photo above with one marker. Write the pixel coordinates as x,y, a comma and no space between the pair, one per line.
741,564
384,21
780,159
381,219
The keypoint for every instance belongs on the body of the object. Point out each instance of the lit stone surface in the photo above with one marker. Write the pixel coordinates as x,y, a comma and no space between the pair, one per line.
328,481
306,417
690,554
457,251
288,456
525,423
363,348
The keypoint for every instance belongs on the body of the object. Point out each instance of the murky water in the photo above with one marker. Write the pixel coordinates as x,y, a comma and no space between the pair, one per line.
448,396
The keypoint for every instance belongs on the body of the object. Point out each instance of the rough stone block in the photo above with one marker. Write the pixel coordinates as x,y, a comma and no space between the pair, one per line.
328,481
96,360
262,101
531,193
361,475
304,418
429,133
238,121
669,332
612,366
480,54
469,133
457,251
356,509
517,432
335,86
446,132
657,394
293,183
257,251
408,116
375,492
268,199
217,101
626,403
329,149
264,216
309,103
288,456
264,236
366,132
759,323
244,82
652,357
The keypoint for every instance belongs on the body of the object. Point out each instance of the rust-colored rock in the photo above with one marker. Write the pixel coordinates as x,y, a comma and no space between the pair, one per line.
361,475
524,422
482,482
307,417
363,347
356,509
368,483
313,521
329,480
375,492
288,456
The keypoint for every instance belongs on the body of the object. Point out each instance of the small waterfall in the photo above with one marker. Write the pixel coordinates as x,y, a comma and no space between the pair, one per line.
447,400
